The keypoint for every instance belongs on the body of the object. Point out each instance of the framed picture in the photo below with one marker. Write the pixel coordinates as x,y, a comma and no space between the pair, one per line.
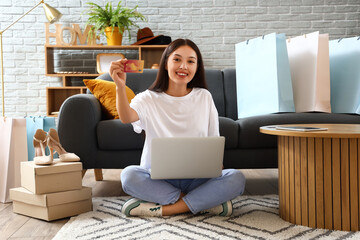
103,61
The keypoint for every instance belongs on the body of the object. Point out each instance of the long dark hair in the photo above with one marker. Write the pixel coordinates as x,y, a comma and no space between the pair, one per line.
161,83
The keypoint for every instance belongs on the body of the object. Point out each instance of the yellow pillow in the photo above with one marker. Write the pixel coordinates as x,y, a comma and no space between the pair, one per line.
105,91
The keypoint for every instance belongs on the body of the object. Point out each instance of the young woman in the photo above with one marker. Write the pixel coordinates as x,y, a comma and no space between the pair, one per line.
177,104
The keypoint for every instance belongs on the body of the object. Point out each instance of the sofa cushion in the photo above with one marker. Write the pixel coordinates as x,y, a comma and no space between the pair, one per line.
139,82
105,91
215,83
230,93
114,135
230,130
250,136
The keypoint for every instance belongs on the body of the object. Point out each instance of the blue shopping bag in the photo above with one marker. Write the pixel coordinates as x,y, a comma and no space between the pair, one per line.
263,79
32,124
345,75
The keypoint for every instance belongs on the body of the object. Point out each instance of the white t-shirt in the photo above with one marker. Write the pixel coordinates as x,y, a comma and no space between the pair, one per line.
162,115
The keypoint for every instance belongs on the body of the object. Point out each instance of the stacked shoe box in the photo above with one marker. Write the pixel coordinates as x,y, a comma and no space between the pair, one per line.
51,192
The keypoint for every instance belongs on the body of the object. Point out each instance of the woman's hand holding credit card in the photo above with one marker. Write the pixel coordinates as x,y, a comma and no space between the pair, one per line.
118,69
117,72
134,66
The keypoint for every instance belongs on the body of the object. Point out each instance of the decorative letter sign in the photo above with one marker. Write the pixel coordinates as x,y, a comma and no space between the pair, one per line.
75,33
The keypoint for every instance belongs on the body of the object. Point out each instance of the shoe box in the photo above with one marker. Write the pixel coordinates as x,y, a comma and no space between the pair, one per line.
51,206
57,177
51,192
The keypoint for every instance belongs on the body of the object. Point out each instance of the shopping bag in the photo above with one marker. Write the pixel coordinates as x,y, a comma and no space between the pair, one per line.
345,75
310,73
32,124
263,80
13,150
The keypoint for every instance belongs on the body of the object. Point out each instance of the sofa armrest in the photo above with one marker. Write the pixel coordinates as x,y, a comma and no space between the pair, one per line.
78,118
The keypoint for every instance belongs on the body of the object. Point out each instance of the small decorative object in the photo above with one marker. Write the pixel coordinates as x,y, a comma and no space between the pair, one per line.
112,22
155,66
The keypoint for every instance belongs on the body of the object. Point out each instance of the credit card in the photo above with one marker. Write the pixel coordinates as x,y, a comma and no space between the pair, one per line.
134,66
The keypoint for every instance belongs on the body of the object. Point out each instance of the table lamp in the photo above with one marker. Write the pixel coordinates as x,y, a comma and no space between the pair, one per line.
52,16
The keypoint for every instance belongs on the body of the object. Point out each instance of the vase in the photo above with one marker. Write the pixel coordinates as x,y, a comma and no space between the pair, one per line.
113,37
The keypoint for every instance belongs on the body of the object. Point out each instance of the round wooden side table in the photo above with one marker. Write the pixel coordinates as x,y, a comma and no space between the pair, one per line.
319,175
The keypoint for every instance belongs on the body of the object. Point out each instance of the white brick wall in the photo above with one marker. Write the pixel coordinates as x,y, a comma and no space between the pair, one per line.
215,25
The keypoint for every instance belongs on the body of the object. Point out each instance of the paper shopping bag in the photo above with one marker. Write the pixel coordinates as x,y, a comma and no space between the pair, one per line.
263,80
310,74
32,124
13,150
345,75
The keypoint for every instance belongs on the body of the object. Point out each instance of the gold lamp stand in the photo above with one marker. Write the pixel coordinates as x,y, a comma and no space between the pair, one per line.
52,16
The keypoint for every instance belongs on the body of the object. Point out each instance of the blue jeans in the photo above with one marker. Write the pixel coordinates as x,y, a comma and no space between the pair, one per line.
201,194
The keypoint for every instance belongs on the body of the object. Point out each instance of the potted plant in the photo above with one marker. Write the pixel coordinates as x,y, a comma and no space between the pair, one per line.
112,22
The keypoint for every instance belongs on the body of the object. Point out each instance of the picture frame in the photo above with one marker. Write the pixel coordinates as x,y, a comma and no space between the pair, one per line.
103,61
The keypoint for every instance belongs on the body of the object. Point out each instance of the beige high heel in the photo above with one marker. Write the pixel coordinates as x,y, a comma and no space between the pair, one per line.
54,144
40,142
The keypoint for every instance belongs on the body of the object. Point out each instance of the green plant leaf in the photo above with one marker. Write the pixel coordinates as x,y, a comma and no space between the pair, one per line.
122,17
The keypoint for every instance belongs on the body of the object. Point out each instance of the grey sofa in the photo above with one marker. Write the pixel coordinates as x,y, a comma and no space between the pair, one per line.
103,143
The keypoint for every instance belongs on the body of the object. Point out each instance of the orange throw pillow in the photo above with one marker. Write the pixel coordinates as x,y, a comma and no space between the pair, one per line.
105,91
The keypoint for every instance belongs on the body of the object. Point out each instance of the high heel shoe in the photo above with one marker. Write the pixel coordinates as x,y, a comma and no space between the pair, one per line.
40,142
54,144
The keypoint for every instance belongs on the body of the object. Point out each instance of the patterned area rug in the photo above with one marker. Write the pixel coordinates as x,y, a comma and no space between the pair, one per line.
254,217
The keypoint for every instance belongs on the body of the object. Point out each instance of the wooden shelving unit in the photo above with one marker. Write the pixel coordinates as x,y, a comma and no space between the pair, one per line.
55,96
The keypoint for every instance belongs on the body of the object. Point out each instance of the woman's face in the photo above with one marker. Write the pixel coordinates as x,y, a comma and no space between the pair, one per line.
182,65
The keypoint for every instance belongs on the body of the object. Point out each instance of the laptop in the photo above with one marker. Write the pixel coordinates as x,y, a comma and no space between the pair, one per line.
187,157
